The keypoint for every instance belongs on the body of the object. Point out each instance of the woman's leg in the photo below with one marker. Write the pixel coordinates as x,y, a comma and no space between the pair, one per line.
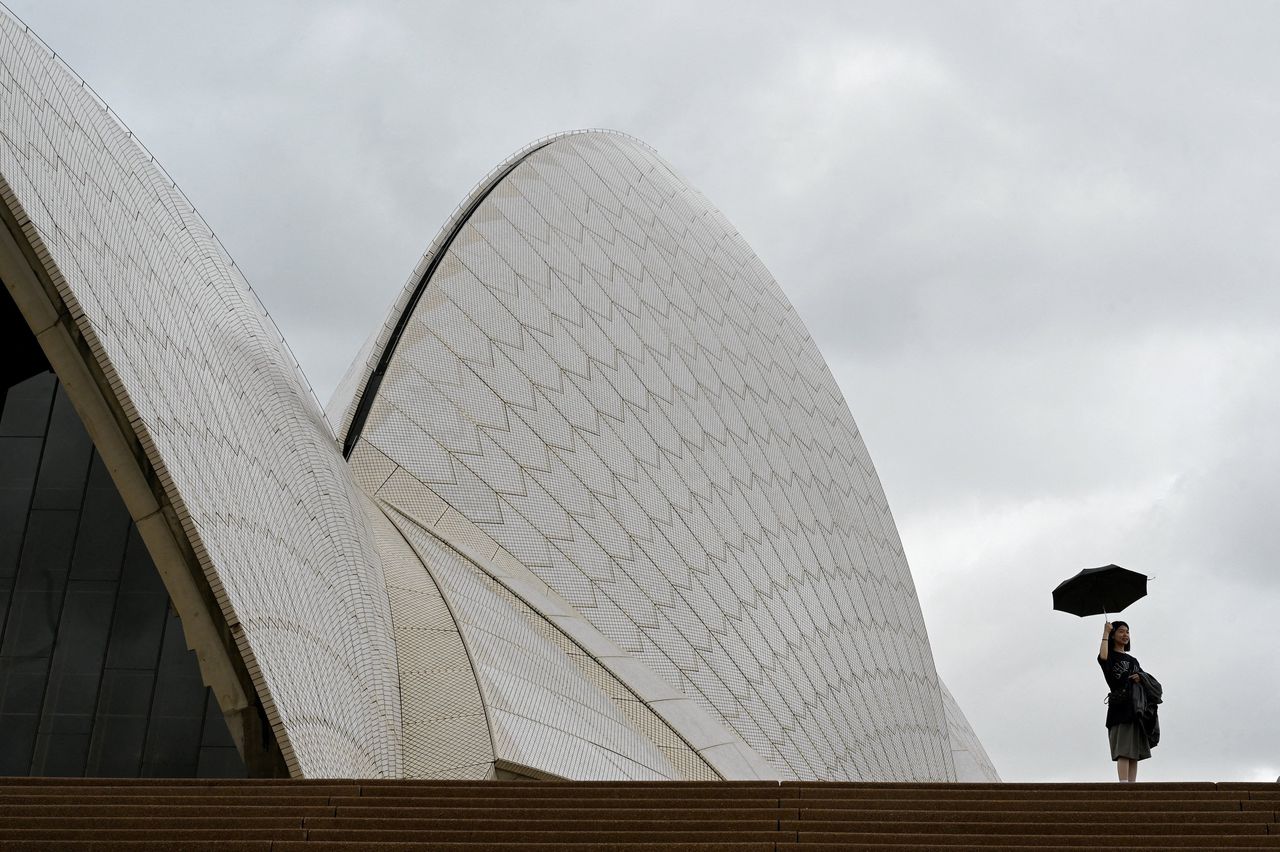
1122,767
1133,771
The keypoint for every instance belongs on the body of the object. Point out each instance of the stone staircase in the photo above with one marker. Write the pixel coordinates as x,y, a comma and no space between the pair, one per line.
386,816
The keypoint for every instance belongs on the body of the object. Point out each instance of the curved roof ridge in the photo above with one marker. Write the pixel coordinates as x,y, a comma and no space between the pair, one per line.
173,185
359,385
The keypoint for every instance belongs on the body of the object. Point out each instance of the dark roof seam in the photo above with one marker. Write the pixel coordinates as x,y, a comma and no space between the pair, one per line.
371,386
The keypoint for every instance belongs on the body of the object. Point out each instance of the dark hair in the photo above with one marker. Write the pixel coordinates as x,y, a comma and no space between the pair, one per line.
1116,625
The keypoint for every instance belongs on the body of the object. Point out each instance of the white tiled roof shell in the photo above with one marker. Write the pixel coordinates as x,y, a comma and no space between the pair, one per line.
445,729
505,651
543,713
970,758
241,447
603,377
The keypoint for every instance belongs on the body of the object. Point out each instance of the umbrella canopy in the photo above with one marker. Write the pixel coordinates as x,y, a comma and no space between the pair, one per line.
1095,591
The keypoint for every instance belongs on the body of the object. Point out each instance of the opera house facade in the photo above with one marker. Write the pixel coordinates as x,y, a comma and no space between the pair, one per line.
588,505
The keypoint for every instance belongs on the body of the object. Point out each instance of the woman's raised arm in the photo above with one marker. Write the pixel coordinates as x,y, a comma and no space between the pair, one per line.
1105,651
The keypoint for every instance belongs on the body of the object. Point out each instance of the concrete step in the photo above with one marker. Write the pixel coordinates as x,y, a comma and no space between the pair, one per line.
503,822
99,815
1118,792
362,846
642,802
757,822
1109,818
158,846
920,844
142,809
550,790
164,800
1034,805
160,832
1078,827
570,814
825,842
923,843
82,791
565,835
156,821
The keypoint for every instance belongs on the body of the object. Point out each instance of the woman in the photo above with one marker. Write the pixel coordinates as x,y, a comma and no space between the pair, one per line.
1128,740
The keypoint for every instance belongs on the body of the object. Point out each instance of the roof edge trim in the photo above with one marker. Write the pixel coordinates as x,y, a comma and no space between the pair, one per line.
71,347
352,425
368,393
177,190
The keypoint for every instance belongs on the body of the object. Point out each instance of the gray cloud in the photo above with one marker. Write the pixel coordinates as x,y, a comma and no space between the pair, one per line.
1035,242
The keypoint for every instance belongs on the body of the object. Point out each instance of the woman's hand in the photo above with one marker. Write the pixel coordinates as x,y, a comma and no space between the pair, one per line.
1135,677
1104,649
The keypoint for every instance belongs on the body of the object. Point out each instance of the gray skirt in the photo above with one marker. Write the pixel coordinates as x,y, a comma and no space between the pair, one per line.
1128,740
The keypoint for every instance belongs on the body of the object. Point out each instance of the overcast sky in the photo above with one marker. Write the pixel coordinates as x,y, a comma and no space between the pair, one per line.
1037,244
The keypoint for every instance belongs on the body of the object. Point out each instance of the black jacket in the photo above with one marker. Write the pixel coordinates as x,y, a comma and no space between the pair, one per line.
1146,696
1117,671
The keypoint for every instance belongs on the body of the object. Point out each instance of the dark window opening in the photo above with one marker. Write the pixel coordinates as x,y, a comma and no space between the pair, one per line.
95,676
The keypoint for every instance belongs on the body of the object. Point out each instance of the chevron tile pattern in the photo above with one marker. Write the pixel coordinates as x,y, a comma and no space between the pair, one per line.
602,377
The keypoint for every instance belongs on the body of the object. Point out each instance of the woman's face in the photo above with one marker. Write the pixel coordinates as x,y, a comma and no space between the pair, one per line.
1121,635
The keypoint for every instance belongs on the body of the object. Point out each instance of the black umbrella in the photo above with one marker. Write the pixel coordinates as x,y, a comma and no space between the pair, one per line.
1097,591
